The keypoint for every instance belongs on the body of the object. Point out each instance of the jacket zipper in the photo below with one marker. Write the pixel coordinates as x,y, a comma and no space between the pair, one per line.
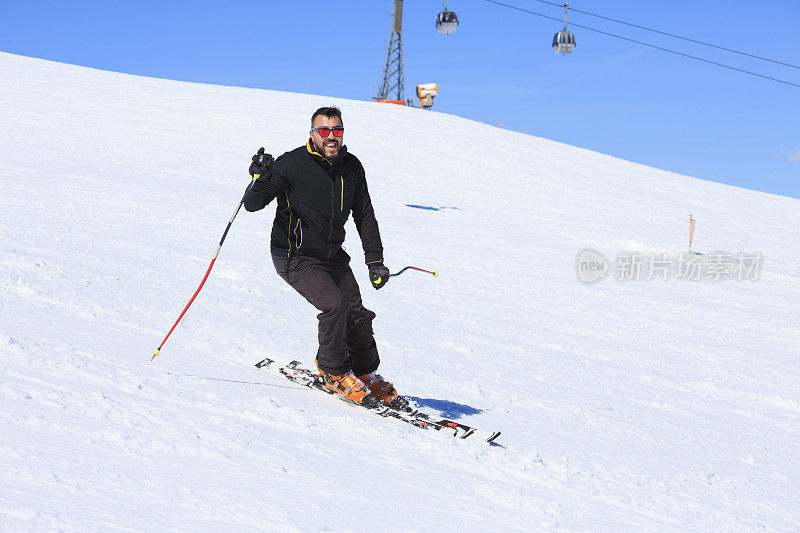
330,232
341,208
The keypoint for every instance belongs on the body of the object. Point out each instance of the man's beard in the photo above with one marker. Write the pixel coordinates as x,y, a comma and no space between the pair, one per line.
321,149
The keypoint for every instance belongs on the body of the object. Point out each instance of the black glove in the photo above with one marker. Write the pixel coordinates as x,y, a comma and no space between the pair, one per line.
378,274
260,165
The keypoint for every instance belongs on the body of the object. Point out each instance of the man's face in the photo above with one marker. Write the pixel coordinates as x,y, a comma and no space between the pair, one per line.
328,146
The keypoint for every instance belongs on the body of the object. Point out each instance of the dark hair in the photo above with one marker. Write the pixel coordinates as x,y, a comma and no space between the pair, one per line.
329,112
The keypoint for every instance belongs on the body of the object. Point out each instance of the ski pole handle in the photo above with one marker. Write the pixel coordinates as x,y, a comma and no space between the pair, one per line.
434,273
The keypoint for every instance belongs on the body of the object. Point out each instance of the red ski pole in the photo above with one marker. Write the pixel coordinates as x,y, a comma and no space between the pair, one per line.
225,234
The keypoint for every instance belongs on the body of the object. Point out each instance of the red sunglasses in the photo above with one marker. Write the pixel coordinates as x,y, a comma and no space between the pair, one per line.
324,131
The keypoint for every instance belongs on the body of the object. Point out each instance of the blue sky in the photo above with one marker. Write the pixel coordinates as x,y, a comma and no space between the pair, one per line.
610,95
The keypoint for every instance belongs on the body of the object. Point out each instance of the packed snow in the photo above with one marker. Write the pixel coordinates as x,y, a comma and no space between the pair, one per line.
623,404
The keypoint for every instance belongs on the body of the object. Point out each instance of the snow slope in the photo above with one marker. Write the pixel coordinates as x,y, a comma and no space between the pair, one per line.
647,405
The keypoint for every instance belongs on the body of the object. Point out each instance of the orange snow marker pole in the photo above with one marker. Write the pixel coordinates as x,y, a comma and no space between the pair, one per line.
691,232
225,234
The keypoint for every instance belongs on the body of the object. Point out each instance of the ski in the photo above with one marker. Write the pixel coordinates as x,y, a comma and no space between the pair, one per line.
296,373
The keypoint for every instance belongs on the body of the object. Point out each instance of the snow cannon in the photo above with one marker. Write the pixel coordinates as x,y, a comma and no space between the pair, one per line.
426,93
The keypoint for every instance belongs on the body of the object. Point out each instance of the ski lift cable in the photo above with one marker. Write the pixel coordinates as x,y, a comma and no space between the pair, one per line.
646,44
672,35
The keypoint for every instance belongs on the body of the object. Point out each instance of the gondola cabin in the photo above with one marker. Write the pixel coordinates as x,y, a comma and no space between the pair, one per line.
446,22
563,42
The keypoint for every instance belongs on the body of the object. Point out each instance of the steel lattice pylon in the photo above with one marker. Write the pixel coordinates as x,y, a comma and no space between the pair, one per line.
392,85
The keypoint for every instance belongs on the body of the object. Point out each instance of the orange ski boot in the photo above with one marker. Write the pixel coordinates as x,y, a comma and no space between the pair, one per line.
349,386
384,391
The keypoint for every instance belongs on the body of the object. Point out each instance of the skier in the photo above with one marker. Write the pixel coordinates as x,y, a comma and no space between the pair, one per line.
317,186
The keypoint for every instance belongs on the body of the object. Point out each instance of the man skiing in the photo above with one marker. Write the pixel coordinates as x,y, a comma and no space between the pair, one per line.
317,186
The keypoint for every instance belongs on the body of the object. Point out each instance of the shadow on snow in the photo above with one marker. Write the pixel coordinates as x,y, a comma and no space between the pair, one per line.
448,409
430,208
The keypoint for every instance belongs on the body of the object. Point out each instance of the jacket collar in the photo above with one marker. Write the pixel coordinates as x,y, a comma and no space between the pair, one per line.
311,149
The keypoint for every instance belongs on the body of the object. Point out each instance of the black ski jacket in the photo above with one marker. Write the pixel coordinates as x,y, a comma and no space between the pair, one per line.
315,197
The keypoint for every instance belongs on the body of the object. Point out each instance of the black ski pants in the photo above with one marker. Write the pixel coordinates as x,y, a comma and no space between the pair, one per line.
346,340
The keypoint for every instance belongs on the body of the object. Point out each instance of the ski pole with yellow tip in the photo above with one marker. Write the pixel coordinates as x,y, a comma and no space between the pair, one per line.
210,266
434,273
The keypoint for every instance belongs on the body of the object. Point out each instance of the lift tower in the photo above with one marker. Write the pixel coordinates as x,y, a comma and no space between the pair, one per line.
392,83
